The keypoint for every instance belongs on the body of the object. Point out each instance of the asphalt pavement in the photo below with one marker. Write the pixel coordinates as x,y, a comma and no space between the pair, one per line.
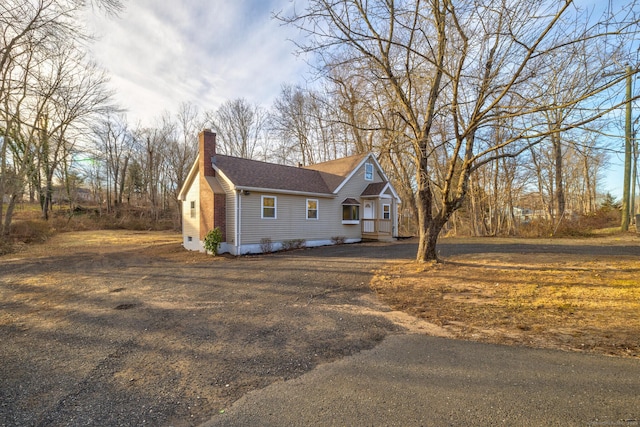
418,380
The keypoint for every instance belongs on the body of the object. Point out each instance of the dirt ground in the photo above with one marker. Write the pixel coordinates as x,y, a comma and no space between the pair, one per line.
126,328
121,328
577,295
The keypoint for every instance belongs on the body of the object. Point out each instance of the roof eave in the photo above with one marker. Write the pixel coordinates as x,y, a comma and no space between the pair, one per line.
182,195
281,191
353,172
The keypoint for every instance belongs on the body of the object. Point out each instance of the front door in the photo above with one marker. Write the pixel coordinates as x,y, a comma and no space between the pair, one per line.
368,217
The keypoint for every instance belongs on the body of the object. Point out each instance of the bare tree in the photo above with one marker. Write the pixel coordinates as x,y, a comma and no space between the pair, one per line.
114,145
183,149
43,94
239,126
452,70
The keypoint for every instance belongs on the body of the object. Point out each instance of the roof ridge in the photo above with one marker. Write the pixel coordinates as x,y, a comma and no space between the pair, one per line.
341,159
244,172
256,161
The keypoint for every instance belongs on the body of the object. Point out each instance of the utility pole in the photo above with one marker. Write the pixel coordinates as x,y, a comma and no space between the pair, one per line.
634,178
626,191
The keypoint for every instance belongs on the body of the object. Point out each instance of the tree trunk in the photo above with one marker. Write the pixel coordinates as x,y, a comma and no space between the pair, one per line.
560,197
428,241
429,228
6,229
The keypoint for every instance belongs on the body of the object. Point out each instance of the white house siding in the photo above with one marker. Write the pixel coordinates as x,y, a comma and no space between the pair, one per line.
356,185
191,226
291,219
354,188
231,202
388,199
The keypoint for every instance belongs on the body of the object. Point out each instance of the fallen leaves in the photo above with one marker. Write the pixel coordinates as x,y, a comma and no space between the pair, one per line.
547,300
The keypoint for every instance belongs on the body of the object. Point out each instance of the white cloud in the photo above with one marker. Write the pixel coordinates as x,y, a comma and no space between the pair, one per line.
161,54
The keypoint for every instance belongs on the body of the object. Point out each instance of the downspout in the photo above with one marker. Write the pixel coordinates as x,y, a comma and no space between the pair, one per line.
238,221
394,212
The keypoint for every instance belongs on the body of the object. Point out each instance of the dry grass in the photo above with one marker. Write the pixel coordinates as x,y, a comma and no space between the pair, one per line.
540,300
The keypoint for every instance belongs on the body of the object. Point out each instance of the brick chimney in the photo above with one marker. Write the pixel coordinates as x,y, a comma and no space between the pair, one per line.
207,149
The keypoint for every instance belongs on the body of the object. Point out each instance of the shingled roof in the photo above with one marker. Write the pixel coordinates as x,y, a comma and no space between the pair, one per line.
374,189
321,178
334,172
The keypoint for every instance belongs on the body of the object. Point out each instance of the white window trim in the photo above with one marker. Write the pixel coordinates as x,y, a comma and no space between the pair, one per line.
275,207
366,167
192,209
317,209
389,206
352,221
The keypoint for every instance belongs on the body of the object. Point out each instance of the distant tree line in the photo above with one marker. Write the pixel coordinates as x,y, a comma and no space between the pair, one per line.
50,94
485,114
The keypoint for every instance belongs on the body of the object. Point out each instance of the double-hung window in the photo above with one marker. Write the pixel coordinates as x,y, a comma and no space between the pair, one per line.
312,209
368,171
386,211
192,209
269,206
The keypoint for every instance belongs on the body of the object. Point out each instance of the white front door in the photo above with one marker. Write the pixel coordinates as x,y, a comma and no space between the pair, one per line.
369,213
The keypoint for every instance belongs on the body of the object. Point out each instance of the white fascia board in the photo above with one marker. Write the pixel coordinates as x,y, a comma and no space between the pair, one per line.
279,191
224,177
381,195
189,181
393,192
384,175
359,165
368,157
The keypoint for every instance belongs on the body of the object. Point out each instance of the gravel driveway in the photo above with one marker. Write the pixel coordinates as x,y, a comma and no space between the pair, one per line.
110,329
120,328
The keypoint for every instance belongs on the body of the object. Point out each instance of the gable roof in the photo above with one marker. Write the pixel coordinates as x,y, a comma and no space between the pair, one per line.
374,189
324,178
253,174
321,178
334,172
378,189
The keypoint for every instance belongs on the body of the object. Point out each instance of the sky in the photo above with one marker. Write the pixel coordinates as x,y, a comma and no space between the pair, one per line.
160,54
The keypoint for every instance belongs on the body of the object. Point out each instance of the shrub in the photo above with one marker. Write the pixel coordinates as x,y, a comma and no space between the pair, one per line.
288,245
6,247
338,240
266,245
212,241
31,231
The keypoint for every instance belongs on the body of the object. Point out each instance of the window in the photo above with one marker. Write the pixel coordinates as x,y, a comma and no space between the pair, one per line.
268,207
350,213
189,239
386,211
192,211
312,209
368,171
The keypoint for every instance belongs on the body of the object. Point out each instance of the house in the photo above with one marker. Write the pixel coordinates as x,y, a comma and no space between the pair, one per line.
256,204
